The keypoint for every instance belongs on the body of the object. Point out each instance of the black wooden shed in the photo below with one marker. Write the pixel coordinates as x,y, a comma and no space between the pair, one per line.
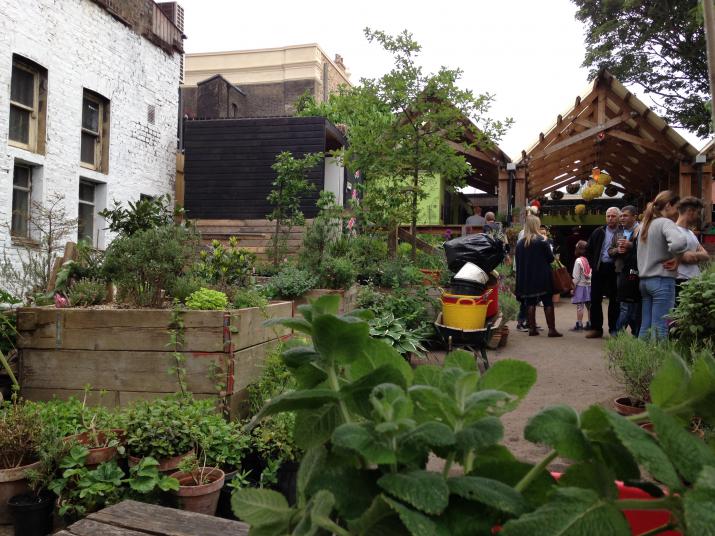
228,172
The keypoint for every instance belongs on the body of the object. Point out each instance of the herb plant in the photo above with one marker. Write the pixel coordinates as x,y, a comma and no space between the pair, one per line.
147,213
694,314
88,292
249,297
226,266
20,434
206,299
392,330
291,282
369,424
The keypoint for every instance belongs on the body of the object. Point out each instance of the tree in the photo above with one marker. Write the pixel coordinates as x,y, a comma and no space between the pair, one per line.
290,184
658,45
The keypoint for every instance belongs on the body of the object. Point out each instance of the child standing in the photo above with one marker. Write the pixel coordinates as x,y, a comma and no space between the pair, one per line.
582,282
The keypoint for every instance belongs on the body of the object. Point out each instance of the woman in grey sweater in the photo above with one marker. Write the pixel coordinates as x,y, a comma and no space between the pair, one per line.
660,245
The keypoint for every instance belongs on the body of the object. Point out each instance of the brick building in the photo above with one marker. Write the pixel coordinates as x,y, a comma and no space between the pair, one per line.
88,100
258,83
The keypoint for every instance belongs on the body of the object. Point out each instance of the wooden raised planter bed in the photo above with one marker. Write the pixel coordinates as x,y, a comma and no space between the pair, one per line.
124,352
348,298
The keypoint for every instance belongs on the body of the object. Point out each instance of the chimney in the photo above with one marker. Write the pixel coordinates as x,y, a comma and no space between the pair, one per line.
339,61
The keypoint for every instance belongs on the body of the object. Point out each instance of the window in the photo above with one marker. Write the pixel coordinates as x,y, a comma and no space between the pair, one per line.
27,105
234,109
21,198
85,215
95,132
151,114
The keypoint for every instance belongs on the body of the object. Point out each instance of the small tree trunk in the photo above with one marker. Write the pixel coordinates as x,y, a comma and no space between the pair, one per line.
392,241
276,238
413,223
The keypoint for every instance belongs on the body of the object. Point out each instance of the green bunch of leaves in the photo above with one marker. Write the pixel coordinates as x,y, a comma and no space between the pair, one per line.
147,262
185,285
147,213
393,331
87,292
226,266
221,443
694,314
369,424
72,416
164,427
20,432
81,490
291,282
508,306
206,299
249,297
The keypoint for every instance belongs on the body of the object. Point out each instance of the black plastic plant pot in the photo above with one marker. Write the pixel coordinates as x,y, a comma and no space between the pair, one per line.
288,481
32,515
224,499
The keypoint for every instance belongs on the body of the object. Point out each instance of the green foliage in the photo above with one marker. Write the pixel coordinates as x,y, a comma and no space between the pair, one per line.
322,232
74,416
145,214
413,306
221,444
88,292
634,362
185,285
206,299
694,314
393,331
20,434
508,306
337,273
82,491
148,261
88,265
368,253
164,427
249,297
290,186
375,423
659,46
8,331
226,266
291,282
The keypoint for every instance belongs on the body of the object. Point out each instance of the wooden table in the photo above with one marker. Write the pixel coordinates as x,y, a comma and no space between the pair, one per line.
131,518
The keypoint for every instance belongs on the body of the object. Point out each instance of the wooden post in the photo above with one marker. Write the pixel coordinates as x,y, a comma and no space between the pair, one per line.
685,179
520,187
179,188
503,198
708,190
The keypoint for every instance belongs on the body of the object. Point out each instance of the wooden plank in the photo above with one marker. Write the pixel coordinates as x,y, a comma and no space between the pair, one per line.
90,527
116,370
248,364
638,140
120,338
580,137
108,399
129,397
251,330
158,520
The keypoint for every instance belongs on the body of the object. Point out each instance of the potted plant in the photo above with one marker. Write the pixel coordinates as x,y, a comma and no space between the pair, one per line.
32,511
199,485
20,433
164,429
509,307
634,362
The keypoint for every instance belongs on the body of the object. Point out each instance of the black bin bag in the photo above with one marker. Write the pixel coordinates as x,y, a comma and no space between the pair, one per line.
480,249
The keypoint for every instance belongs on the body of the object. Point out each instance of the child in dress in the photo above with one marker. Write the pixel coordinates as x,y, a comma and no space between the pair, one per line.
582,283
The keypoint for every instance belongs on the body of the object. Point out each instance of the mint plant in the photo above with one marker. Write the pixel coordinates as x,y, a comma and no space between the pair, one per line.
368,424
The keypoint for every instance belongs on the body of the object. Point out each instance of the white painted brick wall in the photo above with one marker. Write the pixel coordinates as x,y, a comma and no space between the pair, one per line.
82,46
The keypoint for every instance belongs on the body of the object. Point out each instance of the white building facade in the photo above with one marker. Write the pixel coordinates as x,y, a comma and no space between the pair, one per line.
88,109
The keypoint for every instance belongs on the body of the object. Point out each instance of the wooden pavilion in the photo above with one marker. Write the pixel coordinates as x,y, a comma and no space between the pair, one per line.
612,129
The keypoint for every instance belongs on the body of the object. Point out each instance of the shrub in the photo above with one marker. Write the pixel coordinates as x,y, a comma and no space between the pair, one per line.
291,282
185,285
694,314
398,273
226,266
20,431
249,297
206,299
149,261
88,292
368,253
393,331
508,306
148,213
337,273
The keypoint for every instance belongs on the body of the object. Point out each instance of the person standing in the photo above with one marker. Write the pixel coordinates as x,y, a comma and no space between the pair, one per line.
581,275
533,275
603,281
624,251
689,214
660,246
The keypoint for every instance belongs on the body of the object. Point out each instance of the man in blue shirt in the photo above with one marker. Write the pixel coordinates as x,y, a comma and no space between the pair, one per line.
603,280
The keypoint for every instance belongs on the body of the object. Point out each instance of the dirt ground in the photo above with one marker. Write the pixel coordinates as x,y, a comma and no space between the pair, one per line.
570,370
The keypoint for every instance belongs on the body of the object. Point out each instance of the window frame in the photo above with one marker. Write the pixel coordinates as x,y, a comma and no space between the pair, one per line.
28,192
93,204
34,110
99,135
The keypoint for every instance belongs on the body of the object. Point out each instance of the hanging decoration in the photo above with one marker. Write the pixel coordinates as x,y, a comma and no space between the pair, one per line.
611,191
592,191
556,195
604,179
573,188
580,210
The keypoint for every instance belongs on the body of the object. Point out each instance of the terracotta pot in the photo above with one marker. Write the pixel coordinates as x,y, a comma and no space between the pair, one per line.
625,406
431,277
100,454
201,499
165,464
504,336
12,482
647,426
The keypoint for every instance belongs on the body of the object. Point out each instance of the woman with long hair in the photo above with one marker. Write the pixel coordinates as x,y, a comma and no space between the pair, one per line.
533,275
660,245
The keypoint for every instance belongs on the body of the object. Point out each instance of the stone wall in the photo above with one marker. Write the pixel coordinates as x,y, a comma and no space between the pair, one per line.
82,46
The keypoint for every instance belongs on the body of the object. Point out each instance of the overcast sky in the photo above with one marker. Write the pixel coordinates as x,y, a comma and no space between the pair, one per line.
528,54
